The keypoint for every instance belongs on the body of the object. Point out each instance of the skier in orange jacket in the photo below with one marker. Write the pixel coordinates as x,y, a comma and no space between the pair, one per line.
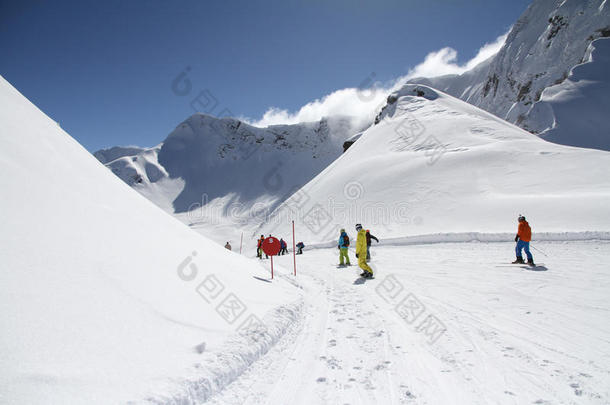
523,238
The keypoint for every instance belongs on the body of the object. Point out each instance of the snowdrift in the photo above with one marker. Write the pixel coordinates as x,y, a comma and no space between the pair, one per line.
434,164
104,298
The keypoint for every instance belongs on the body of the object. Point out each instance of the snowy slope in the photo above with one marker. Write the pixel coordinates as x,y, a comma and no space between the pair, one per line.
544,45
435,164
100,290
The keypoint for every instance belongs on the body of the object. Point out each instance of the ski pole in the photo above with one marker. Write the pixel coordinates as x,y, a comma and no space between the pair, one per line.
534,247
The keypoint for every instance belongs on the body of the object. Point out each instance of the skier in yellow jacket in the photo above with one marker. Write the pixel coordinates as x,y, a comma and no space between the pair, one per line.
361,250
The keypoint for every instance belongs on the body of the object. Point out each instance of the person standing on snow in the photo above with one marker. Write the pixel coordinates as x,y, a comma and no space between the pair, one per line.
228,246
259,250
283,247
361,250
523,238
300,247
343,245
369,236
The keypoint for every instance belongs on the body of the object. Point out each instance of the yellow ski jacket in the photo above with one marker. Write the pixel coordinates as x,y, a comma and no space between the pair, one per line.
361,243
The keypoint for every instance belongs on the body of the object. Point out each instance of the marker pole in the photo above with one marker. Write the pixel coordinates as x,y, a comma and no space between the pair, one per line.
294,257
271,267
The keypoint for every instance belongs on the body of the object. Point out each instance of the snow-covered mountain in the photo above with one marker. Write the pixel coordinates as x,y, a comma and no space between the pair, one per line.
218,157
132,164
434,164
101,294
220,174
539,73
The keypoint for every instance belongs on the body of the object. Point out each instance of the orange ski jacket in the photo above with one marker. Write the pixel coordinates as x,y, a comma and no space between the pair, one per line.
524,232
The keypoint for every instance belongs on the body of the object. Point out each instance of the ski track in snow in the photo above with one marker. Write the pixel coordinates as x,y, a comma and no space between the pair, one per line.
513,335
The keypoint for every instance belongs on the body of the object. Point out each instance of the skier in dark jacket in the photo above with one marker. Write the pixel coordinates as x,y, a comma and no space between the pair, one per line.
259,247
300,247
368,244
283,247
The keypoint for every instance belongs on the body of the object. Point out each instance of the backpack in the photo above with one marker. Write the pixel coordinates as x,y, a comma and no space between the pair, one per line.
346,240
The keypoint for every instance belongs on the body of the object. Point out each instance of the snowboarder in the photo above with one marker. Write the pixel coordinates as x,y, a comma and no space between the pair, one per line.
369,236
342,246
361,250
523,238
228,246
283,247
300,247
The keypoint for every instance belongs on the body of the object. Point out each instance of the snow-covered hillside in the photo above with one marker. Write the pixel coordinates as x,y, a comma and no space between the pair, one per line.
435,164
549,40
104,298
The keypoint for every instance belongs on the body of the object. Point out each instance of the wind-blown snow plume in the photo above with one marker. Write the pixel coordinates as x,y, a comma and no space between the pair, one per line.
444,61
364,102
360,103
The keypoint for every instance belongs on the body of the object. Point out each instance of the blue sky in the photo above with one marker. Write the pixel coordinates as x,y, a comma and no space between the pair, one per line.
104,69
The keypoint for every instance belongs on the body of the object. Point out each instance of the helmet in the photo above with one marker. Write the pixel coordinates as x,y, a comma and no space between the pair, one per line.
521,218
358,227
342,230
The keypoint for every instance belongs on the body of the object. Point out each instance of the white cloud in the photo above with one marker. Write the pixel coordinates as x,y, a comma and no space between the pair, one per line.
363,103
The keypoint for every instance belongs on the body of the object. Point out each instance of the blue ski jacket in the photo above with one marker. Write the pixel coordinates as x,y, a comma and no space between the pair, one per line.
343,240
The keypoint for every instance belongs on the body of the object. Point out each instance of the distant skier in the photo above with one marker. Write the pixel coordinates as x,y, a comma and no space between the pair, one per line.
361,250
283,247
228,246
523,238
343,244
300,247
259,250
369,236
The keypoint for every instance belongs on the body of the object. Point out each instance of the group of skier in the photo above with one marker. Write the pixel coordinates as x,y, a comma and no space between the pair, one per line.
363,250
259,247
363,247
365,238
